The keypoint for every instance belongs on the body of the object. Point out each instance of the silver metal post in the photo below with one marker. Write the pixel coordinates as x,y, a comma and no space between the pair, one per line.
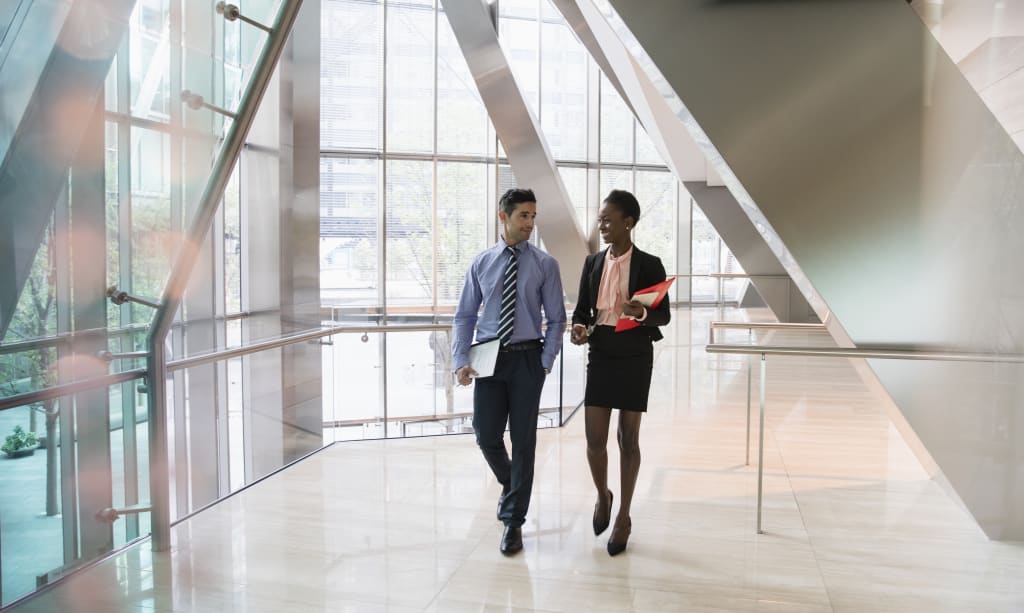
118,297
232,13
750,368
223,166
760,450
196,102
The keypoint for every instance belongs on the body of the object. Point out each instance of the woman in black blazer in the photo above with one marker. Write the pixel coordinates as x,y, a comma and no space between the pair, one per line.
619,363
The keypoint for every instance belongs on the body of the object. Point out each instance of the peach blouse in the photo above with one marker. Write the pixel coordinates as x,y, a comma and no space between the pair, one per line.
614,288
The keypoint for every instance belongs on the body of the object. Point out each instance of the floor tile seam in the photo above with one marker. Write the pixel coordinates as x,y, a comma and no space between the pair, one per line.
703,588
458,568
982,90
468,602
810,538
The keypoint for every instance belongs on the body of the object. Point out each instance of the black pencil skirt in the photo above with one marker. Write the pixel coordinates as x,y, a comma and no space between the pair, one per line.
619,367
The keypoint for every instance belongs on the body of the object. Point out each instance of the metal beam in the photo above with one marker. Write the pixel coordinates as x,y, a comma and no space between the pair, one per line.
34,168
520,134
682,155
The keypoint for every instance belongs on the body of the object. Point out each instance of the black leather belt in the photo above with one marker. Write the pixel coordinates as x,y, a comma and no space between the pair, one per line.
523,346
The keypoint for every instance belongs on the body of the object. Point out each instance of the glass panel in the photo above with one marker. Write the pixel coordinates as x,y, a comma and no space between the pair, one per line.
564,104
348,231
411,369
35,510
35,314
129,458
573,361
616,126
645,151
705,245
519,8
31,530
232,208
149,55
614,178
410,78
462,119
729,264
110,86
235,409
519,39
462,210
113,208
352,377
575,181
410,248
351,70
153,241
656,232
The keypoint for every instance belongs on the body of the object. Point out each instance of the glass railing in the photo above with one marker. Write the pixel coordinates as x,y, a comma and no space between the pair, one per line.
173,92
89,456
253,408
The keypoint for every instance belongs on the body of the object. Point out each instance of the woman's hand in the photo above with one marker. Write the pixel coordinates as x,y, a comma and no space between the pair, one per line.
579,334
633,309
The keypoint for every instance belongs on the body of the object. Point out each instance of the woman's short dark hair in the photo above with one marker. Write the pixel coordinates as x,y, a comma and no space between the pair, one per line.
625,202
514,197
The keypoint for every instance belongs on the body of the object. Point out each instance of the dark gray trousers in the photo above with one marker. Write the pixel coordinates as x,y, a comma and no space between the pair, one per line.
511,396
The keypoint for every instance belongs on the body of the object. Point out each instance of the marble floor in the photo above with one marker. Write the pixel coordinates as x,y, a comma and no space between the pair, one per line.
851,520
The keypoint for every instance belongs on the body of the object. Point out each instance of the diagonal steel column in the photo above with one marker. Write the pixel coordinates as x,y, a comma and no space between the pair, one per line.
887,190
677,147
54,112
520,134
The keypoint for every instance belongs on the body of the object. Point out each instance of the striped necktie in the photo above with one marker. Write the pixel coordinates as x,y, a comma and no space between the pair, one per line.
506,320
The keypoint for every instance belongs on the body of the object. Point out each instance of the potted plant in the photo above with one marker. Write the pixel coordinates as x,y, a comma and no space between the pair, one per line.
20,443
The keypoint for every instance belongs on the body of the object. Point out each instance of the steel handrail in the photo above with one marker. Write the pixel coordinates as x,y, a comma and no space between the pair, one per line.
44,342
871,354
311,335
888,353
729,275
75,387
750,326
68,389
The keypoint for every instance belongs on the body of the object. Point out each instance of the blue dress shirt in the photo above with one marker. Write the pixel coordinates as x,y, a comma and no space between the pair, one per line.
538,284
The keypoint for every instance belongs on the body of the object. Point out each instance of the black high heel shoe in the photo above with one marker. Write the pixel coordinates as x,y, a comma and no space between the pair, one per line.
601,523
617,547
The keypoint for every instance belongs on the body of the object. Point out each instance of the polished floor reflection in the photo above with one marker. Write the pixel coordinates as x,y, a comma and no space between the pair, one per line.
852,521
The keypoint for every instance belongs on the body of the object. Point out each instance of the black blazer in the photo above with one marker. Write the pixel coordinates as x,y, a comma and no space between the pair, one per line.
644,271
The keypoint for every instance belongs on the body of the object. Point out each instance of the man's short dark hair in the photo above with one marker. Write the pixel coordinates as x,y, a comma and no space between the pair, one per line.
513,198
625,202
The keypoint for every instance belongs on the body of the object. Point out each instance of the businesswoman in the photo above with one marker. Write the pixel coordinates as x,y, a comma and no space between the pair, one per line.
619,363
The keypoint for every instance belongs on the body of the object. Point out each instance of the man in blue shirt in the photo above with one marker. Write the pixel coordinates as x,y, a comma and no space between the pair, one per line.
512,282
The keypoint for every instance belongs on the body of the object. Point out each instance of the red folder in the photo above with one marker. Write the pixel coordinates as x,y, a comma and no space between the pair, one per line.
651,297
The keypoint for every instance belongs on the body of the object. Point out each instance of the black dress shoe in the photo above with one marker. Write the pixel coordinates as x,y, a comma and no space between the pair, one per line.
601,521
622,533
512,540
501,499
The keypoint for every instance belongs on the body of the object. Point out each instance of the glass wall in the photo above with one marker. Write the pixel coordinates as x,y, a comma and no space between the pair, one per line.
408,141
410,174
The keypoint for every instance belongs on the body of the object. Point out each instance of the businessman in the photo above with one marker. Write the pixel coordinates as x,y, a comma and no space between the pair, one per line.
508,289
